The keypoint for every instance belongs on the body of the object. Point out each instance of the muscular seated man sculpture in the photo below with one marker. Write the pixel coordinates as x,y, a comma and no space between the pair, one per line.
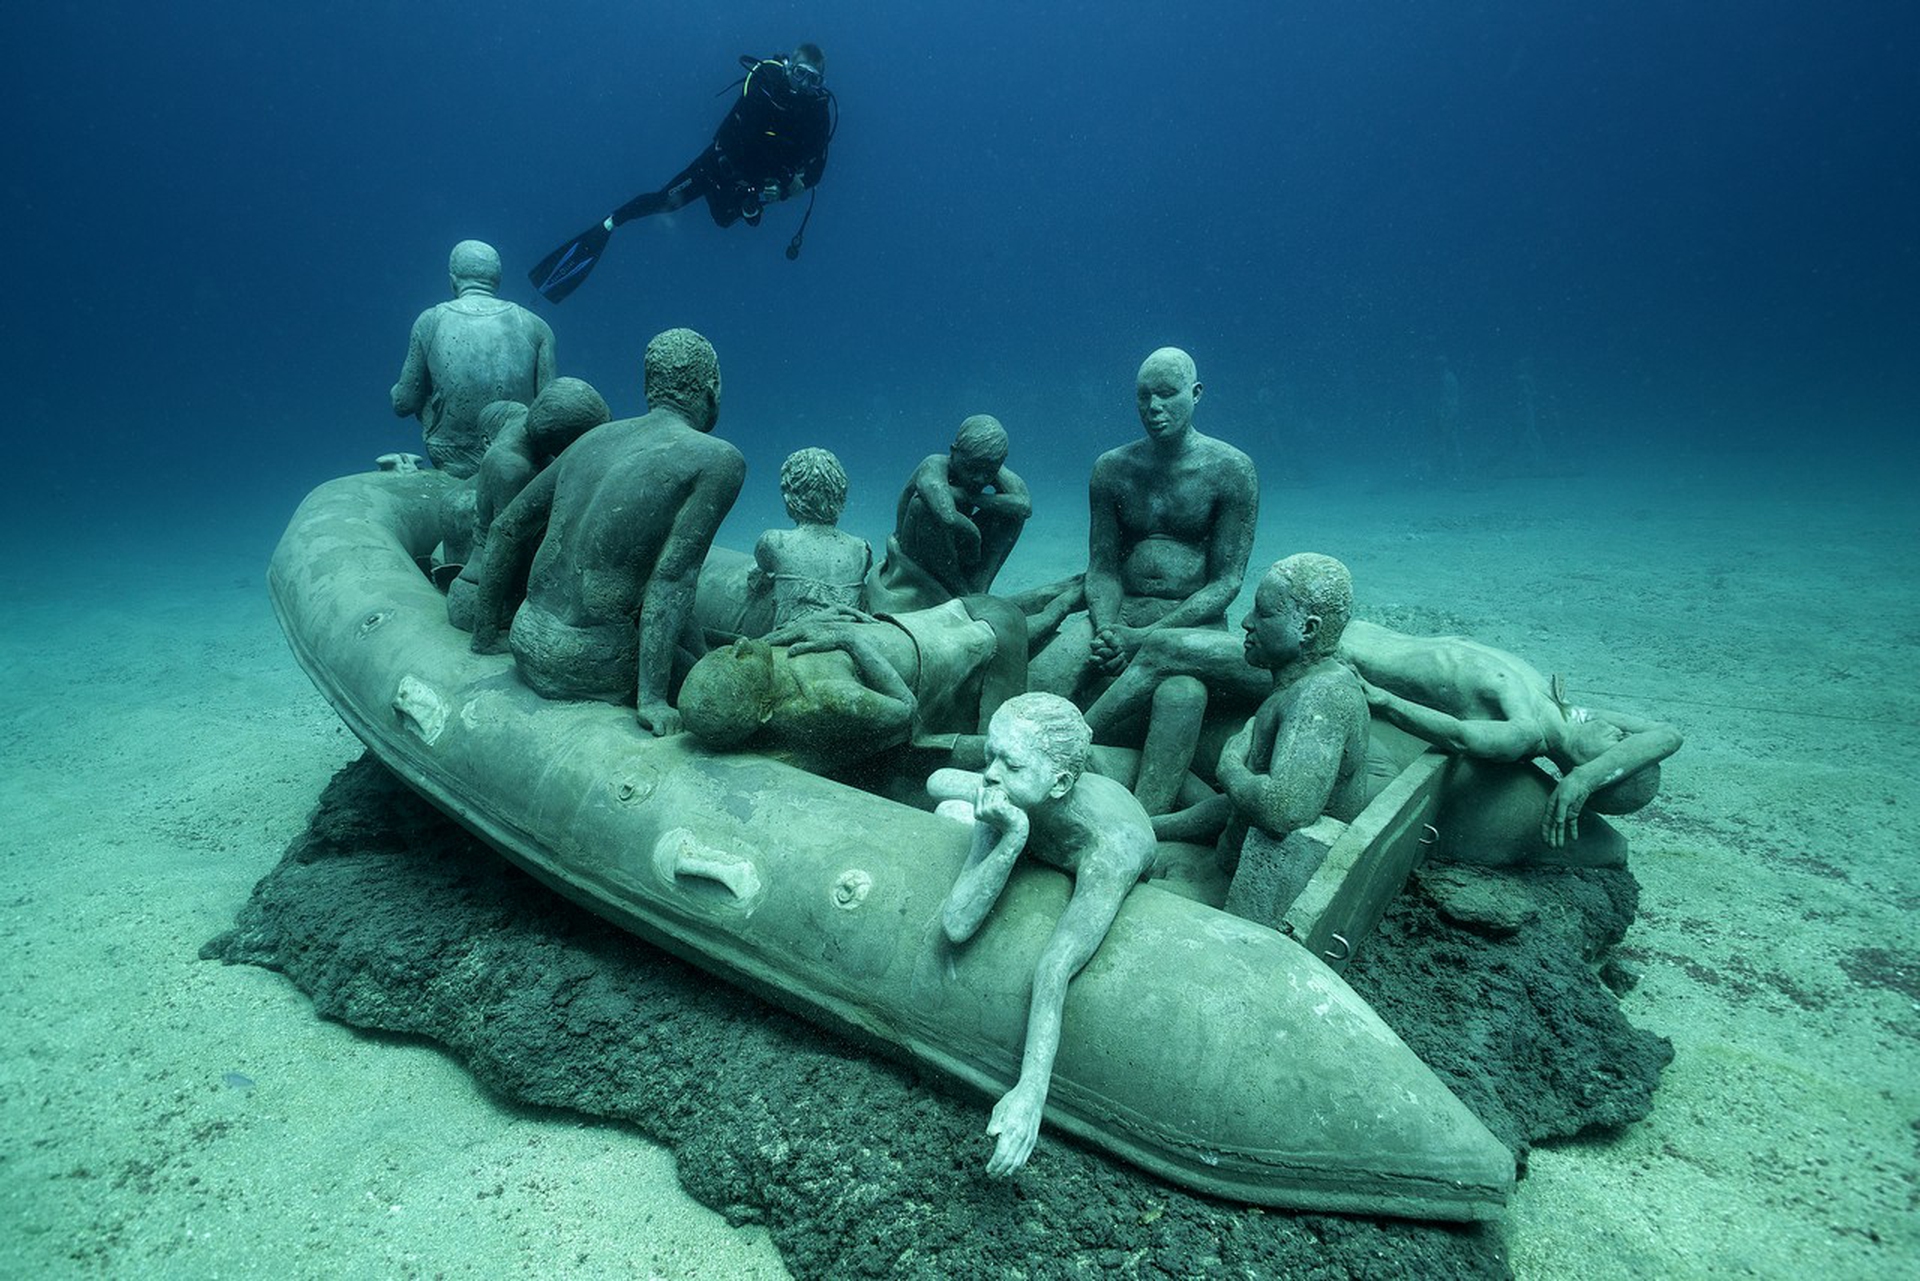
467,353
1035,794
1487,704
955,524
1172,527
815,565
615,532
523,441
841,686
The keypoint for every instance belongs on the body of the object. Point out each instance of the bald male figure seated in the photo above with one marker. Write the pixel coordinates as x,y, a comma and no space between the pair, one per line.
1172,517
466,353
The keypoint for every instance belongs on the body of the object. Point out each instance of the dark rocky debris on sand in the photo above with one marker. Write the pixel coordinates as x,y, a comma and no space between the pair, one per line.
392,918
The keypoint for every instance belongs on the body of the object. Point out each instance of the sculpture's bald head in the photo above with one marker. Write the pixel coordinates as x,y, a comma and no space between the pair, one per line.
683,374
1172,361
1166,388
474,266
728,695
565,410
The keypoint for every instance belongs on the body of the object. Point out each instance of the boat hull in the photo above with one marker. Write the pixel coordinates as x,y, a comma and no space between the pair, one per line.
1211,1051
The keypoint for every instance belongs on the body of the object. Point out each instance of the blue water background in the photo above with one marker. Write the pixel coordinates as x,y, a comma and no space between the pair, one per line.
1696,220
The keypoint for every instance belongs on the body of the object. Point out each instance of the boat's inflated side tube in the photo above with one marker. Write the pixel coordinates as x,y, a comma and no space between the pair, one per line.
1212,1051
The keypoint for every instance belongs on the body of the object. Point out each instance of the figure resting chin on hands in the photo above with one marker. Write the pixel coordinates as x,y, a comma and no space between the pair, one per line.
1033,795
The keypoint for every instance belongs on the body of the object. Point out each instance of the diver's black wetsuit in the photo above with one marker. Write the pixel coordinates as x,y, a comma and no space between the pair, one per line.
773,135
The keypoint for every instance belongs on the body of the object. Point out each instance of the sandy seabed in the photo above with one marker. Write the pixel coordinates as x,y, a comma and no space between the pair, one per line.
165,1116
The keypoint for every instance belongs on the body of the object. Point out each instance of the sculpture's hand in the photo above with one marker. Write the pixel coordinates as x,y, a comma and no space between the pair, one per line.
1232,766
1016,1123
789,633
658,718
1106,651
843,614
1376,697
1115,646
1102,646
998,838
992,807
1560,825
812,635
829,625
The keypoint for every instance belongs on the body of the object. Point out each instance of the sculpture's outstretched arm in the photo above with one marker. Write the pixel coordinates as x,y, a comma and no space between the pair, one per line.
1504,740
667,603
1098,891
1649,745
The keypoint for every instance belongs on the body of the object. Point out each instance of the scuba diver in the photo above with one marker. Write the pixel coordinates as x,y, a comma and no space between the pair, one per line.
771,147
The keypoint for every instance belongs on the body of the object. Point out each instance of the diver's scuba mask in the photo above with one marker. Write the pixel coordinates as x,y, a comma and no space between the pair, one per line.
804,78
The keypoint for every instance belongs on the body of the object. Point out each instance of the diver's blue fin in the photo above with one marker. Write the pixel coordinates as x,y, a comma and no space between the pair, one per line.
562,271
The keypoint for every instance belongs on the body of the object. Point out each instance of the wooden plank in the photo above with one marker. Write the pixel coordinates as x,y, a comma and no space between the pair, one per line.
1368,864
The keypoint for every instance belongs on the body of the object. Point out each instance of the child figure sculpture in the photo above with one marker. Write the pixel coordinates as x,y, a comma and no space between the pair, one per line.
1033,795
814,566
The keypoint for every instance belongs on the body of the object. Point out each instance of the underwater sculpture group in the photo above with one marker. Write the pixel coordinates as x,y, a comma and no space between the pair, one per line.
817,691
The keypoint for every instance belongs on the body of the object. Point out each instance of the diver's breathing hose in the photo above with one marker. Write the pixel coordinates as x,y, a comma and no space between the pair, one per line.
793,246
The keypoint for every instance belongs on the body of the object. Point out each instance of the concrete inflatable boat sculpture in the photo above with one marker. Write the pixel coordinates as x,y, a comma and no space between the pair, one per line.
1211,1051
